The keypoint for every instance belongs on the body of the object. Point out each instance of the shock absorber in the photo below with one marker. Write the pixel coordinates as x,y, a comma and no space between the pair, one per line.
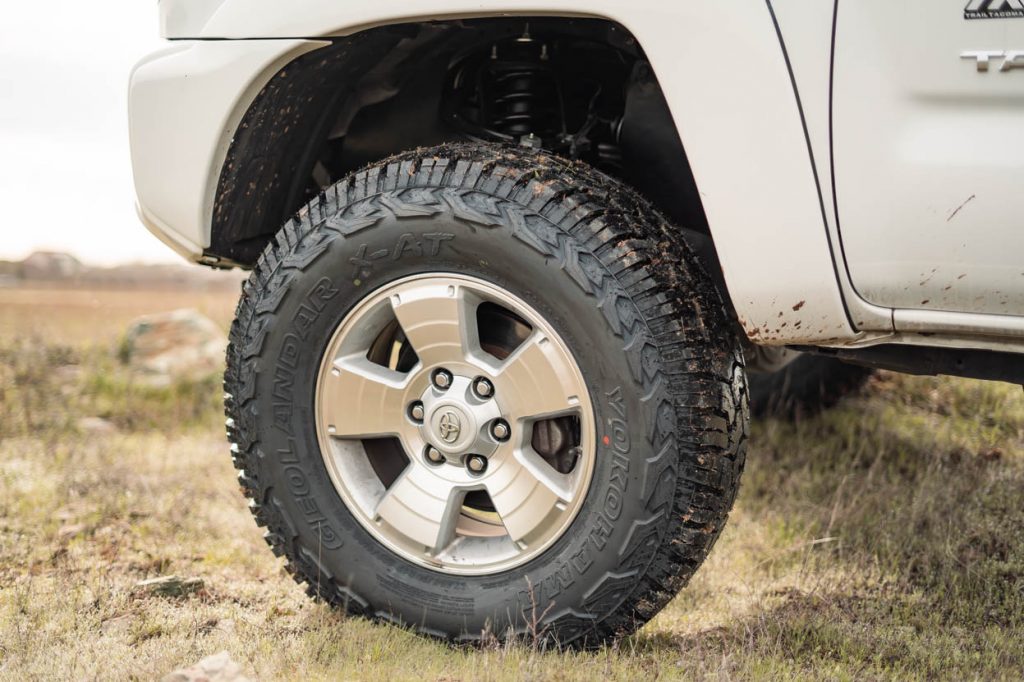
550,92
521,92
507,93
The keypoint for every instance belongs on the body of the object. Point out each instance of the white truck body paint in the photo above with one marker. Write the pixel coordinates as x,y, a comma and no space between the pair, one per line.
806,29
184,104
728,85
928,158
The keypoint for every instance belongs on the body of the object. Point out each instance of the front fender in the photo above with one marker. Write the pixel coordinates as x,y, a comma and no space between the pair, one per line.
725,77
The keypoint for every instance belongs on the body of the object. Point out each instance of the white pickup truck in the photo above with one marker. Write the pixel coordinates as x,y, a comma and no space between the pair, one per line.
512,261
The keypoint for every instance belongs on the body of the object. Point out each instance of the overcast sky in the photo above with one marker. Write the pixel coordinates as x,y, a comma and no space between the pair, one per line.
65,174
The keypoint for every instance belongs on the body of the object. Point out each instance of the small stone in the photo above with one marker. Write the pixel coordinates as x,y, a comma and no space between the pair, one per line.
169,586
215,668
991,454
95,425
118,625
67,374
226,626
71,530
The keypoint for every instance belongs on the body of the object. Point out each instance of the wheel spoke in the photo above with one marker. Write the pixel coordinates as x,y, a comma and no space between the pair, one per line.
438,322
422,508
537,382
558,483
526,492
361,399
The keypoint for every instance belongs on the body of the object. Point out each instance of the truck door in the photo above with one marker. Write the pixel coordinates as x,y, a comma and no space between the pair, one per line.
928,152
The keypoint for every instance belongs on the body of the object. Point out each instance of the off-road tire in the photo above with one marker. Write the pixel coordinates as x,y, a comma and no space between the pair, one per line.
804,387
645,323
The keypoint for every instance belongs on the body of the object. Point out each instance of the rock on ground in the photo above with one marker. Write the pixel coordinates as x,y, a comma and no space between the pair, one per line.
167,347
95,425
216,668
169,586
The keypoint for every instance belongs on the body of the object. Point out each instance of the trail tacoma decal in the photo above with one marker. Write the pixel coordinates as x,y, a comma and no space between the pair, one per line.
994,9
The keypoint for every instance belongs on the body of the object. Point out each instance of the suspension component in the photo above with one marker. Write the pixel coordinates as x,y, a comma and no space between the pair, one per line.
540,93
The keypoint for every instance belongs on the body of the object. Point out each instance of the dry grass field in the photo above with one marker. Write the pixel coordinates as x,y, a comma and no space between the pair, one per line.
884,539
90,315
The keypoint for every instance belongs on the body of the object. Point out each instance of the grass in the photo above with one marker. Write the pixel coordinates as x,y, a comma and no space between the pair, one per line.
882,539
93,314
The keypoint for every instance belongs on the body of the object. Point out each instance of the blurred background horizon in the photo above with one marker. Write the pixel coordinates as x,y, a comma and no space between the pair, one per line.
65,171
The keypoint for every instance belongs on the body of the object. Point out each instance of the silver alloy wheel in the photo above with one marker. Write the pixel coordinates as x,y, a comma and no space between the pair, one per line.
486,504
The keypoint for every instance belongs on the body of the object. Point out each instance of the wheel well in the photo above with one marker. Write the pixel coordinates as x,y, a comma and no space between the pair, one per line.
582,88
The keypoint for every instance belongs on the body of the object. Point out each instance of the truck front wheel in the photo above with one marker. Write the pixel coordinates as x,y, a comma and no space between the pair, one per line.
484,392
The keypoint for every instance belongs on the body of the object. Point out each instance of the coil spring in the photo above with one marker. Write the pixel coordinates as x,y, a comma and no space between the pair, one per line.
522,98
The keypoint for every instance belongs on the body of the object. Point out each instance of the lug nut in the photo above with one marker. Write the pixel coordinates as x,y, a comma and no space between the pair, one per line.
416,411
500,430
442,378
433,455
483,388
476,464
